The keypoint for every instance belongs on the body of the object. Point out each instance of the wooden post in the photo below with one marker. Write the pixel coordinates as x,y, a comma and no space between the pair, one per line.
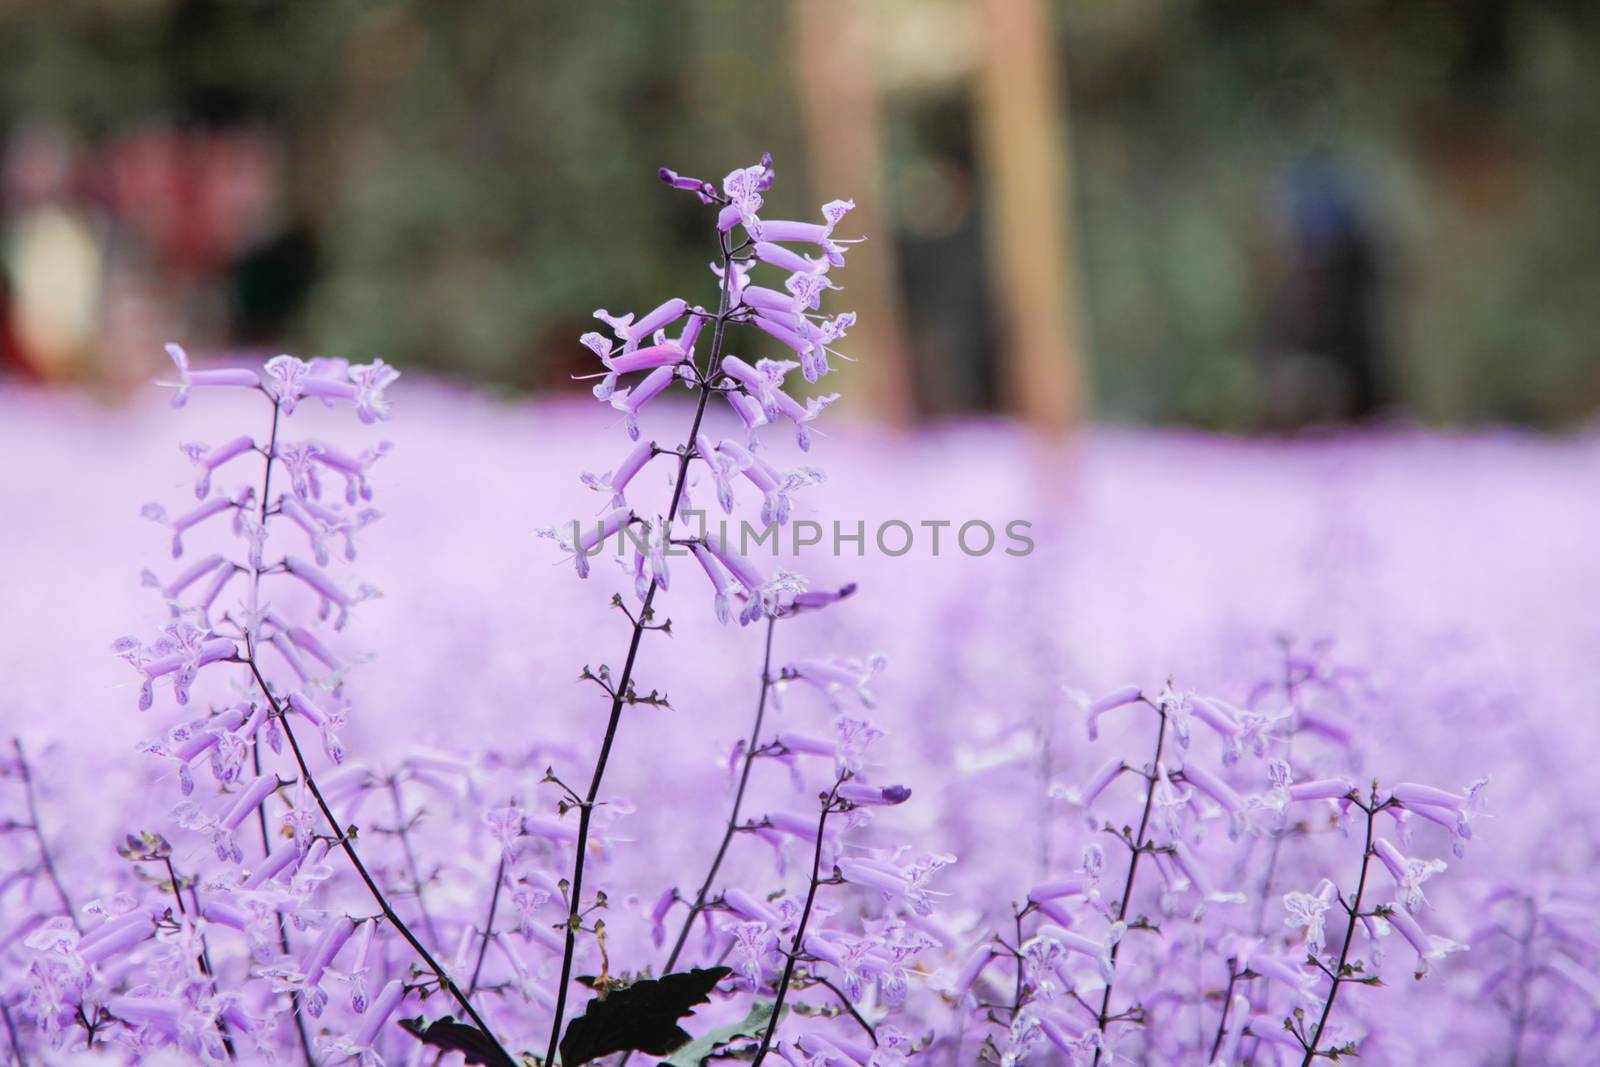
1024,149
839,105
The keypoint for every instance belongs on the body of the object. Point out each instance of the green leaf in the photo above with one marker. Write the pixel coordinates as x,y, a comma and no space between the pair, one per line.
753,1025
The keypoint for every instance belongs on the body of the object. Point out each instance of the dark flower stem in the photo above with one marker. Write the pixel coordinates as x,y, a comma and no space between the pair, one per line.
488,925
620,693
849,1008
445,981
403,831
1353,910
204,958
280,713
1519,1021
830,804
1138,849
271,454
45,858
1227,1003
699,903
1016,1000
283,928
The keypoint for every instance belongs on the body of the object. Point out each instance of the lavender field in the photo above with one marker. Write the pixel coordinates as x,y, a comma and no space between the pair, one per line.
1398,607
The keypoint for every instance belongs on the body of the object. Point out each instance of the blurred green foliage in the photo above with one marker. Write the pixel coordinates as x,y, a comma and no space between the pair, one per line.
477,174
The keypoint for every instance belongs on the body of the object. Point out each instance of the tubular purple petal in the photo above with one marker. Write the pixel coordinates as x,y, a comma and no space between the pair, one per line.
327,388
317,580
759,296
976,964
804,232
663,355
379,1013
147,1012
310,643
308,709
1392,858
1322,789
782,258
224,914
1414,795
1115,699
219,581
1216,715
1102,778
663,315
813,599
271,867
857,793
201,513
589,543
807,745
226,451
120,939
1067,887
236,376
326,948
736,564
632,400
1213,787
787,334
742,372
743,904
193,573
253,796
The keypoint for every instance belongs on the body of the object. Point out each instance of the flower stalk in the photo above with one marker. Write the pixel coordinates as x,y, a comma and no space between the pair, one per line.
622,692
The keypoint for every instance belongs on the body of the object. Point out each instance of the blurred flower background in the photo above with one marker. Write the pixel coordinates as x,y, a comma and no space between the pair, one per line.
1314,283
1223,213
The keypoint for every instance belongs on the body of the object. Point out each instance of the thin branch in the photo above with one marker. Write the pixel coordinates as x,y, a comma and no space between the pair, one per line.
343,838
271,454
850,1009
1349,934
1104,1015
1227,1003
402,830
698,905
204,959
830,804
488,926
1016,1001
38,835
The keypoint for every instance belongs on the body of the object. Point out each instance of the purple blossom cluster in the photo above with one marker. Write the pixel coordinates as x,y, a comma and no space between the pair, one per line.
446,858
1238,942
